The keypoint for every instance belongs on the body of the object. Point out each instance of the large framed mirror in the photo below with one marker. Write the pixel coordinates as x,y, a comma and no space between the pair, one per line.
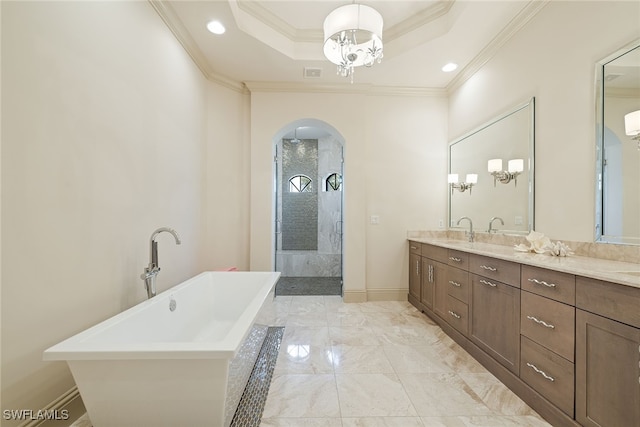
491,174
618,147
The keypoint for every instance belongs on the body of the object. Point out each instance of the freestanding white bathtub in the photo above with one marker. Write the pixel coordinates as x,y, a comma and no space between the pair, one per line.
167,361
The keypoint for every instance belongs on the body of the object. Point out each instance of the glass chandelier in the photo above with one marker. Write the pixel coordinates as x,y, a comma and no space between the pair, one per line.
353,37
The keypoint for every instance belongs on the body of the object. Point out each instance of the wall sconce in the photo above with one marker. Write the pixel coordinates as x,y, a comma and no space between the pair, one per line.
516,166
632,125
470,180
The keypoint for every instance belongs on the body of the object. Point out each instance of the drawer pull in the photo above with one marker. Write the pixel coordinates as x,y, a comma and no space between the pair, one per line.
457,316
485,282
543,283
486,267
538,371
454,283
541,322
414,247
452,258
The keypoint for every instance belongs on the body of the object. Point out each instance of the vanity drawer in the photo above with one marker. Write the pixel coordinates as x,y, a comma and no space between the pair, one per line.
415,247
457,314
617,302
436,253
458,284
549,374
498,269
551,284
458,259
549,323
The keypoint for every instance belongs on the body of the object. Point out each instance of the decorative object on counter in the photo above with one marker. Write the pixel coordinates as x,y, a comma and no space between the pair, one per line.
515,168
540,244
470,180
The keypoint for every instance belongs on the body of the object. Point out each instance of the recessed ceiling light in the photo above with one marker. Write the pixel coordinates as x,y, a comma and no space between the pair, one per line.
449,67
216,27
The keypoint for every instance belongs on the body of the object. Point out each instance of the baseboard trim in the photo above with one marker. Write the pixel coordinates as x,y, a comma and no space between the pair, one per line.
388,294
354,296
56,407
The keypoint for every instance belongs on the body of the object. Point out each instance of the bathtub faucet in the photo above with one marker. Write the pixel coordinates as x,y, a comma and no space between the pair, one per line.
152,270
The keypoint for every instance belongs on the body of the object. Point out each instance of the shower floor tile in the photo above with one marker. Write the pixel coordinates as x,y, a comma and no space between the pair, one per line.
309,286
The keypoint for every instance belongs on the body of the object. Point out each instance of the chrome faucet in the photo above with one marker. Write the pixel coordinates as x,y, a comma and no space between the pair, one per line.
491,224
470,232
152,270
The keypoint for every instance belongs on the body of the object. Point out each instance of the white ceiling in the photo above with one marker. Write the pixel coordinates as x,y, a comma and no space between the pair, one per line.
270,42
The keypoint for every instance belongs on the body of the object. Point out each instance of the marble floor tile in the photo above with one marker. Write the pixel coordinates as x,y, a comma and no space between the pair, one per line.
303,335
442,394
308,304
335,318
352,335
312,318
504,421
369,359
302,396
404,335
304,359
414,359
301,422
363,395
495,394
383,422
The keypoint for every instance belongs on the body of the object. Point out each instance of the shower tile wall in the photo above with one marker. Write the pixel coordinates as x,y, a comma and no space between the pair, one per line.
300,210
325,260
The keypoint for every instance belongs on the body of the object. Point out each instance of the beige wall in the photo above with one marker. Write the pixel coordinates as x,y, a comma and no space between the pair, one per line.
395,167
105,137
553,58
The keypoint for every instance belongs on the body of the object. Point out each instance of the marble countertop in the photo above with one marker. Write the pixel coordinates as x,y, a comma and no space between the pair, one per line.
624,273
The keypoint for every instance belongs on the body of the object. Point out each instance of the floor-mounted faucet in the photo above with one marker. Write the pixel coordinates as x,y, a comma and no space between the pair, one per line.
470,232
152,270
491,224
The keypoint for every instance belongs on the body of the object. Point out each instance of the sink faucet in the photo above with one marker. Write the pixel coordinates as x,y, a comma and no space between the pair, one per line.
152,270
470,232
491,224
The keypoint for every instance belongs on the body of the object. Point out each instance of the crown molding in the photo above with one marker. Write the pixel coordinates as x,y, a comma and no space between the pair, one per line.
272,20
178,29
513,27
355,89
418,20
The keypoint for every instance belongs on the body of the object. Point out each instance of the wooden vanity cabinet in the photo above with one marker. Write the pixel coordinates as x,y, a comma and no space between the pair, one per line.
433,276
415,275
495,320
607,354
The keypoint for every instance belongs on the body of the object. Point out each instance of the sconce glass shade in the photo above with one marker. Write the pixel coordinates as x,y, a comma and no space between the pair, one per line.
632,123
452,178
516,165
494,165
472,178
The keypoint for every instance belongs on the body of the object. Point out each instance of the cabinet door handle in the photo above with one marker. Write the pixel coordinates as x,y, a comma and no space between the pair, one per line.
486,282
486,267
454,283
452,258
457,316
417,267
430,273
538,371
541,322
542,282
